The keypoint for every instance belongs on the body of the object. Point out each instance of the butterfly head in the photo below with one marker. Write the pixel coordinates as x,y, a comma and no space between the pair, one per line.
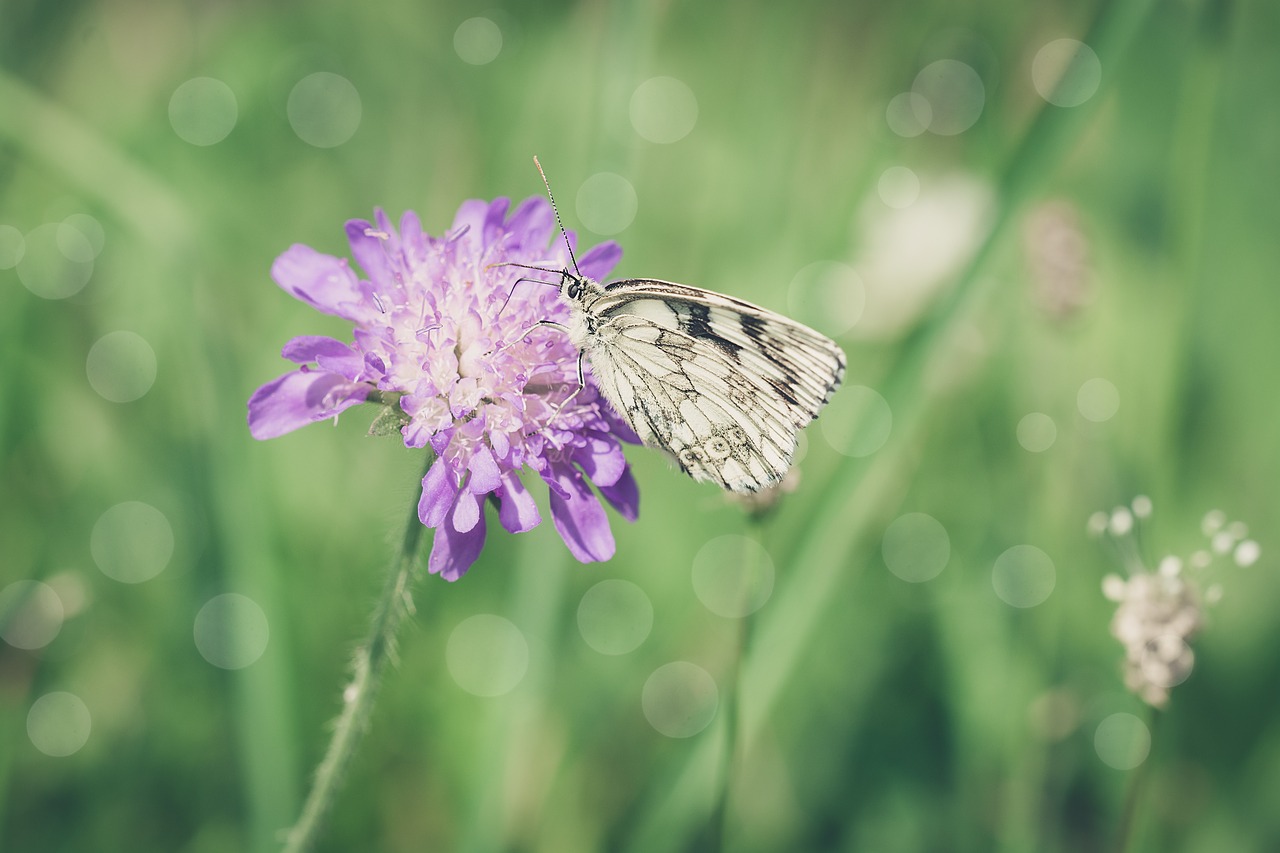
578,290
572,286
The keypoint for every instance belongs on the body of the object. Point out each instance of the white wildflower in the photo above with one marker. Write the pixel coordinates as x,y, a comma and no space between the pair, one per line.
1160,611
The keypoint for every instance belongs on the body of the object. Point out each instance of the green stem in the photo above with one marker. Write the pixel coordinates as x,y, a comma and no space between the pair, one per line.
1137,785
371,659
734,749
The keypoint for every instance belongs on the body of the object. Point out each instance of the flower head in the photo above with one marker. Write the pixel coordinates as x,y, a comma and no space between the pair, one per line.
1057,252
440,335
1159,612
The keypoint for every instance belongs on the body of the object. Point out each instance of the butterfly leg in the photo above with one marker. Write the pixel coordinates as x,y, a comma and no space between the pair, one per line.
520,339
582,379
582,382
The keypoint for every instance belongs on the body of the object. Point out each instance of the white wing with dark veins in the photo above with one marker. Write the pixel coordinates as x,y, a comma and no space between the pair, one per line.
720,384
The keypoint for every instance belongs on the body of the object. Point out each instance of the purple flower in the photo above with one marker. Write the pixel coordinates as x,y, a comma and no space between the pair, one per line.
439,329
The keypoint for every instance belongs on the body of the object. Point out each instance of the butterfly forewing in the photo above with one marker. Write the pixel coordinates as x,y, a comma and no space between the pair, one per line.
720,384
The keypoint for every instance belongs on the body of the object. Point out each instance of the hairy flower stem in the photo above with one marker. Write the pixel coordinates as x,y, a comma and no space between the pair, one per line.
371,659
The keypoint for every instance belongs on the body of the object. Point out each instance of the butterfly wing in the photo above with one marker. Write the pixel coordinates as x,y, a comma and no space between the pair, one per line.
720,384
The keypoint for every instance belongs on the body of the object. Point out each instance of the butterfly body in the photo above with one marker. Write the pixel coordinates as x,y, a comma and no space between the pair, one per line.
720,384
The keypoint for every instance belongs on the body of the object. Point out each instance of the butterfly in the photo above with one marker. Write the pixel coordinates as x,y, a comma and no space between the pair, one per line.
719,384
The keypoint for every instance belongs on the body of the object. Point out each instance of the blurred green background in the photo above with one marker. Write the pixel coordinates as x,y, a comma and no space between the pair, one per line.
989,239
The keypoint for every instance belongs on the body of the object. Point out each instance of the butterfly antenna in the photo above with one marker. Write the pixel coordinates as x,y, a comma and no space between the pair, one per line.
556,211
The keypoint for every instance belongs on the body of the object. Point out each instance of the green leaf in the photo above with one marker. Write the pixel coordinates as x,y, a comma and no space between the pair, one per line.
389,421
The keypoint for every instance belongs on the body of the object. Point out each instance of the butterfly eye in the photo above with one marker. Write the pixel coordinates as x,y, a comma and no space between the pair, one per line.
574,289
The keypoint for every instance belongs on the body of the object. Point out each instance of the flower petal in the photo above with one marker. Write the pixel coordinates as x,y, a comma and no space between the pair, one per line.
452,553
300,398
600,260
439,490
370,249
493,220
531,224
331,356
413,241
466,511
624,496
619,428
601,460
322,281
516,508
307,349
468,224
485,474
580,519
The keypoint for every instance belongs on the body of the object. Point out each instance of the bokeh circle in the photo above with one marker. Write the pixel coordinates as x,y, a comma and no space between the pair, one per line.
231,631
1023,576
733,575
916,547
324,109
663,110
59,723
132,542
615,616
680,699
487,655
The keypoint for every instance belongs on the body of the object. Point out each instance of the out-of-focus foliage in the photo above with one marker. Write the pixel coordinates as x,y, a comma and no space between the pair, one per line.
1048,307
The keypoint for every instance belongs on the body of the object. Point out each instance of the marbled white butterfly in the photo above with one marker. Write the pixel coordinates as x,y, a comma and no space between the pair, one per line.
718,383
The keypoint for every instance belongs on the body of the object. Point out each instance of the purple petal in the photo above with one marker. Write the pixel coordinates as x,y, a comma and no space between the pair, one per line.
328,354
439,490
555,488
415,434
392,243
531,224
466,512
322,281
602,460
370,250
516,508
351,366
624,496
412,241
621,429
452,553
300,398
600,260
580,519
307,349
501,443
441,440
469,221
485,474
493,220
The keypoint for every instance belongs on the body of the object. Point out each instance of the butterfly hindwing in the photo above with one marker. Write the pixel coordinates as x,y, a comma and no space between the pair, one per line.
720,384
